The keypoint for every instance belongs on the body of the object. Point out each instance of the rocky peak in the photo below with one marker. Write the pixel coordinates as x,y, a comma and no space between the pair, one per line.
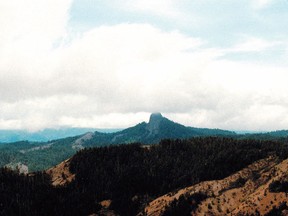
155,117
154,121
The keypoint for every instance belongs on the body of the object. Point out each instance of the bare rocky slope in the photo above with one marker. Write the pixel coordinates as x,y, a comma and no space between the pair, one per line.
243,193
60,174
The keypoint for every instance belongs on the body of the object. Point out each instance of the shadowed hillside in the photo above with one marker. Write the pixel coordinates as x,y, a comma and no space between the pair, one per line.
259,189
124,179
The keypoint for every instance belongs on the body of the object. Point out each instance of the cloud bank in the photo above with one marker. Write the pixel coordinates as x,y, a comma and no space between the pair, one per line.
113,76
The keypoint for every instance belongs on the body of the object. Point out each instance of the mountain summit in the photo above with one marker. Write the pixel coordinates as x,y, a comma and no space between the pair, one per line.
154,122
155,117
153,132
156,129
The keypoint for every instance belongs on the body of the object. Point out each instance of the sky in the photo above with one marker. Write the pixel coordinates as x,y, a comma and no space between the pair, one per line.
109,64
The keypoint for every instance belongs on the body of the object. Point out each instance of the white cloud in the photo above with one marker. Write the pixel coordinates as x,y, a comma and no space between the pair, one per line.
253,44
113,76
33,24
28,32
108,62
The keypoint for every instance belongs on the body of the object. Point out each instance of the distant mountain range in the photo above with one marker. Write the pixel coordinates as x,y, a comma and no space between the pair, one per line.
156,129
42,155
192,171
7,136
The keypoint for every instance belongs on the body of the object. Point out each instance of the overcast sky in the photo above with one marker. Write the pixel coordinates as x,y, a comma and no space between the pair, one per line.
110,63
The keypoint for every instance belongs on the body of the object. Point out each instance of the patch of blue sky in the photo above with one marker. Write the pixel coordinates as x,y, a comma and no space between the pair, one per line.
87,14
219,25
270,56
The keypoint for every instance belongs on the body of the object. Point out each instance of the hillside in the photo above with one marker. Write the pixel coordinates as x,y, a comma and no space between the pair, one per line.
124,172
42,155
156,129
124,179
37,156
247,192
60,174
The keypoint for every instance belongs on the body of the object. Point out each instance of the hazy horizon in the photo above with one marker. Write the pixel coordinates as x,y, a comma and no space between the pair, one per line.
109,64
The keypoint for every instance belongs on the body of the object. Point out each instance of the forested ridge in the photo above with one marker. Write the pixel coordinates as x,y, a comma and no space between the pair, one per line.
43,155
131,175
37,156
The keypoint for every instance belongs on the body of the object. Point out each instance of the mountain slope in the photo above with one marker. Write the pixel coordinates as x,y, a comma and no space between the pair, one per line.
122,179
37,156
246,192
41,155
60,174
129,175
156,129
